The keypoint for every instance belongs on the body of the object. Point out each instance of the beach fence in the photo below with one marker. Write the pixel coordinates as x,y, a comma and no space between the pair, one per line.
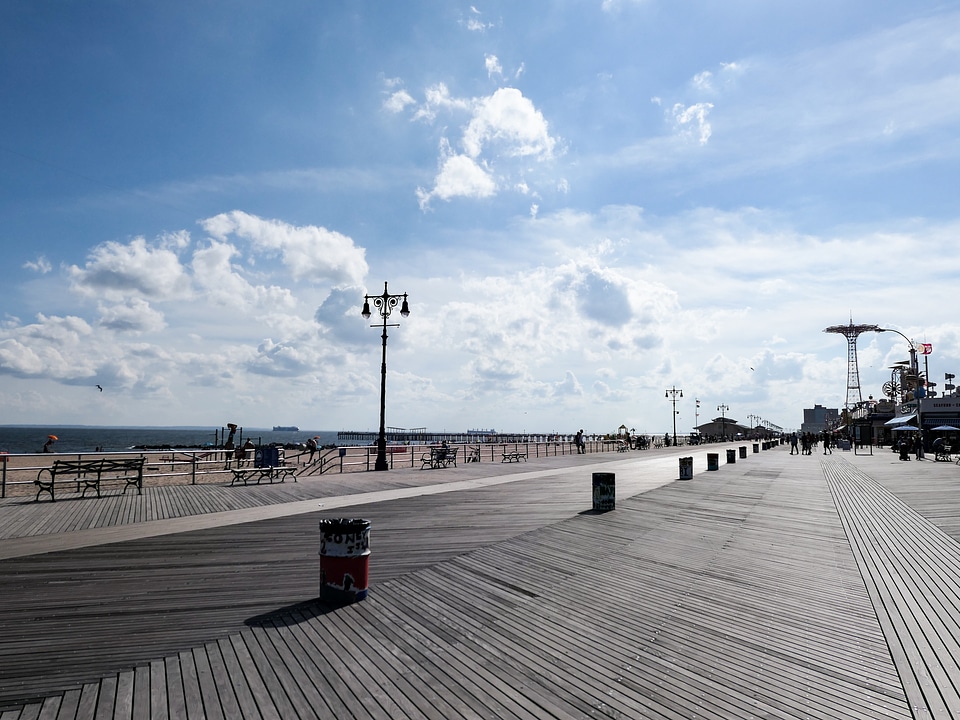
362,458
18,472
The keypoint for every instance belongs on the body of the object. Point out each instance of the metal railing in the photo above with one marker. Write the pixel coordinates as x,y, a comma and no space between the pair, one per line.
193,467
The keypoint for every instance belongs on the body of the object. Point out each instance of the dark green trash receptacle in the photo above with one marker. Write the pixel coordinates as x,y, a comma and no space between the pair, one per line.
686,468
756,447
743,451
713,461
604,491
731,455
344,560
266,457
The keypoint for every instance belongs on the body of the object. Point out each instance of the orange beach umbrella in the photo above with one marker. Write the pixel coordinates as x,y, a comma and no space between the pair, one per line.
53,437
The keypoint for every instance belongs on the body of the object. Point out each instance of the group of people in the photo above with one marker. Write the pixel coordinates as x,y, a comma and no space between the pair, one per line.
808,442
906,445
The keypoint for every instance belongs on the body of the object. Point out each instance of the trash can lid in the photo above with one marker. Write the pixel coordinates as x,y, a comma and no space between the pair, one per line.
344,524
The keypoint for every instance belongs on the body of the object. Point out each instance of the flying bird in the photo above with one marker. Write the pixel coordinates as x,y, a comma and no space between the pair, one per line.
99,388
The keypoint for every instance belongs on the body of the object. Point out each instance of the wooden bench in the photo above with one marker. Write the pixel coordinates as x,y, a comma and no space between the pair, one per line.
439,457
513,456
90,474
271,473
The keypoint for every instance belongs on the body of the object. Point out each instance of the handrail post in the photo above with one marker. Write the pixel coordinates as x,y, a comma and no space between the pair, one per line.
193,468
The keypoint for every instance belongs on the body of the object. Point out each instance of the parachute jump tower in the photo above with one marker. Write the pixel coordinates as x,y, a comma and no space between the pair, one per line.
851,332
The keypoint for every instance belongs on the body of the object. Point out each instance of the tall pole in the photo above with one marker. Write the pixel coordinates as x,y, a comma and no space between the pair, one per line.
914,371
381,463
723,419
672,393
384,304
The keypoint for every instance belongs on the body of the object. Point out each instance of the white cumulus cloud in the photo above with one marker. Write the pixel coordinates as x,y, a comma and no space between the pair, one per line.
309,252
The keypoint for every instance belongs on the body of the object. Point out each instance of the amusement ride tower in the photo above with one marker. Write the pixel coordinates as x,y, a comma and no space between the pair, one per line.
851,332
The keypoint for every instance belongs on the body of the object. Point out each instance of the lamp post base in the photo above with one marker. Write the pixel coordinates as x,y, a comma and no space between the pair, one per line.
381,463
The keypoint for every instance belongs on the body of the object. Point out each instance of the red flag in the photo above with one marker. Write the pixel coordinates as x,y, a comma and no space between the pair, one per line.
926,348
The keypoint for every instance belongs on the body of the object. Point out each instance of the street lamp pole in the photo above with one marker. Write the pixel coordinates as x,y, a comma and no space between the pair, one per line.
914,371
914,368
384,304
723,419
672,393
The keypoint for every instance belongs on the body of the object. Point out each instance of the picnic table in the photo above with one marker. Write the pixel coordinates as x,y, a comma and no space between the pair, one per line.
269,473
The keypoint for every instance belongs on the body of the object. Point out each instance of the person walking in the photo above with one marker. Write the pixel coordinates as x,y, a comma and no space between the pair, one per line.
581,445
793,444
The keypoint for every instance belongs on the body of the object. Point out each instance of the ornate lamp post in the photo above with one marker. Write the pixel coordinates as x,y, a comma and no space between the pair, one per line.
723,419
672,393
384,304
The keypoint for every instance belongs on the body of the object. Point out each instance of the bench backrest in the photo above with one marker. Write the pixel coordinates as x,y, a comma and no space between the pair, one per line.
102,465
61,467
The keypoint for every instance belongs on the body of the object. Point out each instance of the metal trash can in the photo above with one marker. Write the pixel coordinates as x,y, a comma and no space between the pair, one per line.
713,461
743,451
266,457
731,455
686,468
756,447
604,491
344,560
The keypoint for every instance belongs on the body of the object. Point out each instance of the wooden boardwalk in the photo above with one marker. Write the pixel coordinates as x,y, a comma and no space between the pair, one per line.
780,586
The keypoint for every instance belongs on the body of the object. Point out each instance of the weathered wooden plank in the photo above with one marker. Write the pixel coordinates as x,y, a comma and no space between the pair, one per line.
158,691
212,709
247,707
69,704
106,698
87,708
176,699
287,694
192,699
258,688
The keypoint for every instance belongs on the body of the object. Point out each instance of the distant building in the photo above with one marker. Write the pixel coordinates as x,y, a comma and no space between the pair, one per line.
817,418
723,427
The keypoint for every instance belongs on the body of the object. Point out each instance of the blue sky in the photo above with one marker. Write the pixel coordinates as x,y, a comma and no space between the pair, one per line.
587,203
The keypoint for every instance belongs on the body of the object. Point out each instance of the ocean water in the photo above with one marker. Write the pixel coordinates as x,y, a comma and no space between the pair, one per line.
30,439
